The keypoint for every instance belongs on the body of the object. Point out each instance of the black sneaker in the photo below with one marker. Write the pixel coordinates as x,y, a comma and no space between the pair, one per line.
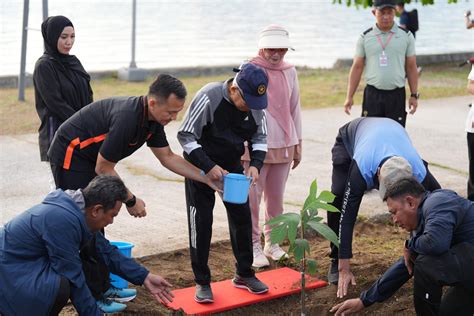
333,273
252,284
203,294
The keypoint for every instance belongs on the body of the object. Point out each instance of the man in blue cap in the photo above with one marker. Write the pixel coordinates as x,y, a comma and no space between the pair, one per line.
221,117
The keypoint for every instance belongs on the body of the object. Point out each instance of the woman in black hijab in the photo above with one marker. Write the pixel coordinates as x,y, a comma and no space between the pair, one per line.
62,86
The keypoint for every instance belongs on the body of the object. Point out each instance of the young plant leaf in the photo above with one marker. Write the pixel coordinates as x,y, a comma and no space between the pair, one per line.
326,196
317,218
312,194
325,231
309,214
329,208
278,234
315,205
304,215
283,225
291,249
312,266
284,218
301,246
313,188
292,231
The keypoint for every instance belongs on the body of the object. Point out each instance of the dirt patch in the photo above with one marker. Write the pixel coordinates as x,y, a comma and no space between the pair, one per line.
377,245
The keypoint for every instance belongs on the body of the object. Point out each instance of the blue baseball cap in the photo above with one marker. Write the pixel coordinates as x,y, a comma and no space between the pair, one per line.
252,82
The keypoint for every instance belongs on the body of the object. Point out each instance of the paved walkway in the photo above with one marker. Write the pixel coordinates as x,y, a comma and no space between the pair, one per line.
437,131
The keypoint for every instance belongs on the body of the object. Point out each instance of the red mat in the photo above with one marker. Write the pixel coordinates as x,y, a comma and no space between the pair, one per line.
281,282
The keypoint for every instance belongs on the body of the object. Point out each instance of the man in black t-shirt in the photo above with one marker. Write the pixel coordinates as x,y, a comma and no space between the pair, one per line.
101,134
97,137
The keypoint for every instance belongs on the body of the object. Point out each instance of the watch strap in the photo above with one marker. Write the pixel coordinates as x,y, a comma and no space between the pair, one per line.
415,95
131,202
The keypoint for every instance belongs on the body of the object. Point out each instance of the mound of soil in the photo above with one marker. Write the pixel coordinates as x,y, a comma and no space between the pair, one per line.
376,246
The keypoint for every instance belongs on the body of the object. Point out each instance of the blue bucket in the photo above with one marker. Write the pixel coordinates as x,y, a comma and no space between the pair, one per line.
236,188
126,249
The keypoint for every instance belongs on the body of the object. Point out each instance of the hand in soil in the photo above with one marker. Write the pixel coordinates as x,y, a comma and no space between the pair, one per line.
347,307
159,288
345,278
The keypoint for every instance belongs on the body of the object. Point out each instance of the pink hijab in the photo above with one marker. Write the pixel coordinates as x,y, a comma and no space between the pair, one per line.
277,91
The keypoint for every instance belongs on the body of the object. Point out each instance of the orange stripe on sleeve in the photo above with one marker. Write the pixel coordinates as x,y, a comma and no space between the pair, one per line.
70,149
93,140
76,141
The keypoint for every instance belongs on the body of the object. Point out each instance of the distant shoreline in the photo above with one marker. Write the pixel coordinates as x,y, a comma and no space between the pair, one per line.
11,81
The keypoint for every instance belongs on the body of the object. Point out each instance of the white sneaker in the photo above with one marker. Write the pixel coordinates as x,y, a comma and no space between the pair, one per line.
259,259
275,252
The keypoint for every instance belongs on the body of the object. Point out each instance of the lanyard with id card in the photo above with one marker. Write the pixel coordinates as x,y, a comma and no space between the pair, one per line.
383,58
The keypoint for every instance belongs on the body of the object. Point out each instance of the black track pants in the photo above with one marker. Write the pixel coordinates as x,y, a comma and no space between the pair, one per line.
200,201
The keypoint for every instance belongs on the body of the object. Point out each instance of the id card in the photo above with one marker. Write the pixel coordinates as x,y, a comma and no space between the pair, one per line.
383,60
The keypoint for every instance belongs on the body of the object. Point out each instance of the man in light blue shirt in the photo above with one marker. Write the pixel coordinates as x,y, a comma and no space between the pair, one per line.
369,152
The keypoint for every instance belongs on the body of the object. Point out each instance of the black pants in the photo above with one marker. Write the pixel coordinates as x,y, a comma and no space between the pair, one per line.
341,169
200,201
454,269
95,271
470,181
385,103
64,293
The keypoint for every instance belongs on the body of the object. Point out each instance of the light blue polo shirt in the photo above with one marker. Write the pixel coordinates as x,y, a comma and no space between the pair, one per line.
378,138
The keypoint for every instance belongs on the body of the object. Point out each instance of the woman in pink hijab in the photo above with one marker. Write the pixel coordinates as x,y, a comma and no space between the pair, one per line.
284,138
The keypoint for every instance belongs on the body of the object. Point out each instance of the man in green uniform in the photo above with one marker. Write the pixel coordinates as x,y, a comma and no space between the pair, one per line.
387,52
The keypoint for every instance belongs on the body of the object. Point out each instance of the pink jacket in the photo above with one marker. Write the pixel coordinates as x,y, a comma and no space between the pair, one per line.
283,120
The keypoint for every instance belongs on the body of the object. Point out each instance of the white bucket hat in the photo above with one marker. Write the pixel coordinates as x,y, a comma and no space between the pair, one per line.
274,36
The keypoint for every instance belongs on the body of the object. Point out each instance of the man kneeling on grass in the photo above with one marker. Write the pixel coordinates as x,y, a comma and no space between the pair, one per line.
40,267
439,253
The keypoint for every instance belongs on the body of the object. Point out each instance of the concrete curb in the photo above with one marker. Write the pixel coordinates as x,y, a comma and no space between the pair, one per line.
12,81
421,60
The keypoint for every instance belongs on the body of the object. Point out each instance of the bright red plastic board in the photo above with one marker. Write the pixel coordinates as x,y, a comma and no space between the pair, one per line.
281,282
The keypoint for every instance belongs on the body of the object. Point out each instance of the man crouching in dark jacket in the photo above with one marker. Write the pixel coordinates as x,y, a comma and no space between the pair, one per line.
40,267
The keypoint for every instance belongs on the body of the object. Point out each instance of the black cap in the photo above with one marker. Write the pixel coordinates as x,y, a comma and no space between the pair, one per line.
380,4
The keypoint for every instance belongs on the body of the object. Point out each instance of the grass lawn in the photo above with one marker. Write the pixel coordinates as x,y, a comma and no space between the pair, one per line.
318,87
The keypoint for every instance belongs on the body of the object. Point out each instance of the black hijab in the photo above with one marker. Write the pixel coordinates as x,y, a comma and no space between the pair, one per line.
51,29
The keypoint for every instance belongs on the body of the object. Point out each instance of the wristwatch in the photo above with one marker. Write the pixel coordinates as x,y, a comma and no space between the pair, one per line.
131,202
415,95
